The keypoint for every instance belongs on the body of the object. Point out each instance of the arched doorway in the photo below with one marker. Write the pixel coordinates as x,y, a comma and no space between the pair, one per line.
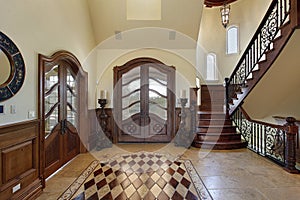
144,101
62,104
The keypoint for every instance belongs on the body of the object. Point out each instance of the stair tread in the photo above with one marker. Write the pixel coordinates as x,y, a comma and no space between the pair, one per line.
216,126
210,112
214,119
217,142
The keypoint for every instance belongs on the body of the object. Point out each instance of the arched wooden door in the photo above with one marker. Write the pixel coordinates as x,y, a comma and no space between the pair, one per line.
144,101
60,108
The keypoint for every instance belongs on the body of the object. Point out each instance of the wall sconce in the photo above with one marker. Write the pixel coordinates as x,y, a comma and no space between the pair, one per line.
225,10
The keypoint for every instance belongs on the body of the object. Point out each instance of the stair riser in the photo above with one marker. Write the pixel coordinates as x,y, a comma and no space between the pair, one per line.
214,122
216,130
220,146
214,108
212,116
215,138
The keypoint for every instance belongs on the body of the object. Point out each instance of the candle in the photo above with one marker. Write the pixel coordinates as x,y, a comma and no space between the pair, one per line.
182,94
103,94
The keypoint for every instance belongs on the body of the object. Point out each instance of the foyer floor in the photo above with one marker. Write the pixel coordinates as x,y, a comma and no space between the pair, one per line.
228,175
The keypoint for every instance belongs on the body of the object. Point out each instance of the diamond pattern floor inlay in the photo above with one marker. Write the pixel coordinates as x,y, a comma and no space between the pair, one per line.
140,176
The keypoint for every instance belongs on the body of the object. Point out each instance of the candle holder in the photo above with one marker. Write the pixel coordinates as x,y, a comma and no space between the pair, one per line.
103,115
103,136
183,134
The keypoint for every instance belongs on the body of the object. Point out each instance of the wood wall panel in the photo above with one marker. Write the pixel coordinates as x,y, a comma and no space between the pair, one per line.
23,153
19,160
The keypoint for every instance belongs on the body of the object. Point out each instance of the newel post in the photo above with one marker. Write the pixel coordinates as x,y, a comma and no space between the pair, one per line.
290,145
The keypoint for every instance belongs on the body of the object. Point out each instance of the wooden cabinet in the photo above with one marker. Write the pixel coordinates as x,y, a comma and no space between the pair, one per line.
19,161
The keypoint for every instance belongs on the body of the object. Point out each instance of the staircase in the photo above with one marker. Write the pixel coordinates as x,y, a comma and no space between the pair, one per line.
214,128
270,38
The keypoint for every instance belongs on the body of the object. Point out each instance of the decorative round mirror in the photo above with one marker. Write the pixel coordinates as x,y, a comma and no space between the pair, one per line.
12,68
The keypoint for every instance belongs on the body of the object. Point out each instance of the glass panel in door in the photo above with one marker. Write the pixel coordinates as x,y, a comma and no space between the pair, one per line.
131,103
71,89
51,100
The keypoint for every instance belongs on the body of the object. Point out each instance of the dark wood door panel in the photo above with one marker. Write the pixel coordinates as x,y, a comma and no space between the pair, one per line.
144,101
61,81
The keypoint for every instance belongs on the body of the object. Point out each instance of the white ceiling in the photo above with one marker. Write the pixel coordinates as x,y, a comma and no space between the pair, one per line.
109,17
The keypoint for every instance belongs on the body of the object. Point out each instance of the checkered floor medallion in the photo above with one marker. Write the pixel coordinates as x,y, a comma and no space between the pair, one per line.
139,176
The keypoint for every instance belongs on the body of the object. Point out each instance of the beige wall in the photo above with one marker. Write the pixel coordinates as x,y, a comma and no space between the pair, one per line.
38,26
212,36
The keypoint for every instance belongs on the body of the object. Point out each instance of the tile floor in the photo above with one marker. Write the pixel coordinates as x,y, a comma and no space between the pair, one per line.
236,174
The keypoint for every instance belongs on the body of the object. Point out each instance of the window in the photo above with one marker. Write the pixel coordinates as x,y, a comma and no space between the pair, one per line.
232,38
211,67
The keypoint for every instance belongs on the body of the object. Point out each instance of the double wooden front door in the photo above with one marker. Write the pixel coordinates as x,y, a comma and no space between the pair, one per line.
144,101
60,92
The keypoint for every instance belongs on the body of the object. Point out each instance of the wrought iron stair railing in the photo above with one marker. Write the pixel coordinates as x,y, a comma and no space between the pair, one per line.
275,142
262,42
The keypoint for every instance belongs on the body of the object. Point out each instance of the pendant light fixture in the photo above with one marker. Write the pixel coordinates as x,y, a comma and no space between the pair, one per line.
225,10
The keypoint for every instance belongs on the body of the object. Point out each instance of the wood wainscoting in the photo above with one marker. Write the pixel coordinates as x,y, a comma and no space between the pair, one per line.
19,161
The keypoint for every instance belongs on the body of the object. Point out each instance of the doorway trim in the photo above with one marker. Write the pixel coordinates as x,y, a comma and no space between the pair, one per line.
62,57
120,70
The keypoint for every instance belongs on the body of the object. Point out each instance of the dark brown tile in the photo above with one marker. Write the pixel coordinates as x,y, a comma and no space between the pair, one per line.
113,163
131,163
101,184
180,171
173,182
108,172
159,163
118,172
177,163
89,184
170,171
141,162
185,182
191,196
177,196
97,172
150,162
113,184
93,197
121,196
108,196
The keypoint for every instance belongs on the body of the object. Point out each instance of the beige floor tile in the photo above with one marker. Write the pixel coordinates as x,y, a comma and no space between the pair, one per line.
237,174
237,194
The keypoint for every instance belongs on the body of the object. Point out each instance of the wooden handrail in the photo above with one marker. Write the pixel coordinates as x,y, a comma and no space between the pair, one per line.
279,117
271,24
261,25
260,122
